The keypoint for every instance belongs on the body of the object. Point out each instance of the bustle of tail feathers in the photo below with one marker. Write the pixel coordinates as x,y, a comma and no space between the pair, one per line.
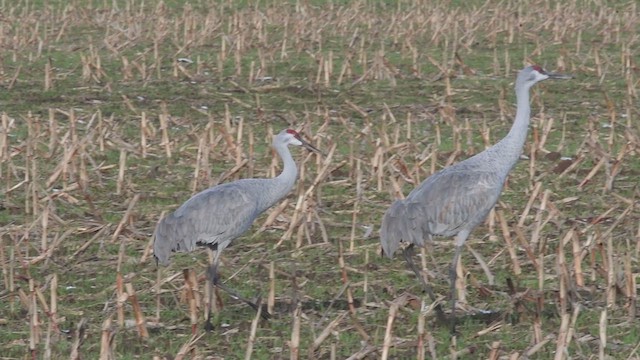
401,223
391,228
169,238
160,249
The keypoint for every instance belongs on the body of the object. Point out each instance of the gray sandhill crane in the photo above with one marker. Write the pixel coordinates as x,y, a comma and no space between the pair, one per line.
453,201
216,216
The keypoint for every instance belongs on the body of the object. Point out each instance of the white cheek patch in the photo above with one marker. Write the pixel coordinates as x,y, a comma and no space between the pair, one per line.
295,142
540,76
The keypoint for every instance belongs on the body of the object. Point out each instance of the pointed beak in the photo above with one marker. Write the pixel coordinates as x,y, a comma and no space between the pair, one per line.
310,147
559,76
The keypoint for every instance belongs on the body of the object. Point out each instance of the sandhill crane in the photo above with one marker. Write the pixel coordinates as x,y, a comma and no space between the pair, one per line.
453,201
218,215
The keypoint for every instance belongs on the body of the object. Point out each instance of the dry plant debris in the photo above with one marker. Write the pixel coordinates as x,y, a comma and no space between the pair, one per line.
113,112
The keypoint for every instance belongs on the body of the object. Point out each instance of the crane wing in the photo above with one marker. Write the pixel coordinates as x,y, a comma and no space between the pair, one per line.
212,217
453,200
444,204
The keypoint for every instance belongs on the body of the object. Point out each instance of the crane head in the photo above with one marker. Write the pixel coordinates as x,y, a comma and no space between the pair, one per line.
533,74
292,137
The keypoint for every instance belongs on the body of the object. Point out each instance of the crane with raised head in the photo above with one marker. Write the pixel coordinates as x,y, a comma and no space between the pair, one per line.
453,201
216,216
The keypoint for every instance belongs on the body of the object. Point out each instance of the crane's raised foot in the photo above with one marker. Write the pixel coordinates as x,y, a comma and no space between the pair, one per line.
264,313
214,279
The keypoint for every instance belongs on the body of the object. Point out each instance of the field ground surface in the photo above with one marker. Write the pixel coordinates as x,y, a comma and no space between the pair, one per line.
113,113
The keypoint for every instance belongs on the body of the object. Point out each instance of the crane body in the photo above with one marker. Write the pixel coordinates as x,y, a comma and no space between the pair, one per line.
455,200
216,216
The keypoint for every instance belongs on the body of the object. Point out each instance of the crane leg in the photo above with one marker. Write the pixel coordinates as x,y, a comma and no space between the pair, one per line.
212,278
453,275
408,256
212,275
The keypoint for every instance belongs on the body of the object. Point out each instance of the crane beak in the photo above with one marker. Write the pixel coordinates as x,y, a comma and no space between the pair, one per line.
559,76
310,147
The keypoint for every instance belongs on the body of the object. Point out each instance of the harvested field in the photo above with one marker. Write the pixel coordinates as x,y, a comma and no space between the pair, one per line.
113,113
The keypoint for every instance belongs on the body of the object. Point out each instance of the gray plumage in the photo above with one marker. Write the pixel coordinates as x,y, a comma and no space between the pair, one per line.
218,215
453,201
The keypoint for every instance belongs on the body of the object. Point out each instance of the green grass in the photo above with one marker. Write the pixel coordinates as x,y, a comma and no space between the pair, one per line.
475,55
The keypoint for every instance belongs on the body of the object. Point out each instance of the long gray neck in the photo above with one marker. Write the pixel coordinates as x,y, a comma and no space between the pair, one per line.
280,186
289,171
510,147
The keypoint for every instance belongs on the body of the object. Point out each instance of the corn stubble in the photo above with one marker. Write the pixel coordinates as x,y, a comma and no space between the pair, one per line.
93,148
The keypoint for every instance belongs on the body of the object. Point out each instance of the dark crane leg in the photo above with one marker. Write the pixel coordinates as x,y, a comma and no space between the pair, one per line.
408,256
213,280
